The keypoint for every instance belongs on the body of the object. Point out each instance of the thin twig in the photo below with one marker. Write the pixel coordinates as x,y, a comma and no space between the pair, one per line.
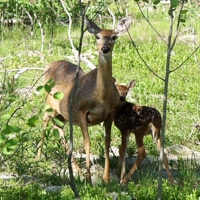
13,184
138,50
25,99
21,70
150,24
178,26
193,128
113,16
185,59
69,29
41,31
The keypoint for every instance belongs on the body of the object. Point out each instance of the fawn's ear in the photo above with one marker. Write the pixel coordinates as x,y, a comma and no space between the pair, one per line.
131,84
123,25
91,26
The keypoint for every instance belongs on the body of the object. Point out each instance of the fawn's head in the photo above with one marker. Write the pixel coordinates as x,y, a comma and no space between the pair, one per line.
123,89
106,38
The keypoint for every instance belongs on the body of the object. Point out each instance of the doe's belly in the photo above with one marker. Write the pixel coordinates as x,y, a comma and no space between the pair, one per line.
97,115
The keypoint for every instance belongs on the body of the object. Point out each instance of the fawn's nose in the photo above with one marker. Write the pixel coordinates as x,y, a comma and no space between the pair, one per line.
122,98
105,49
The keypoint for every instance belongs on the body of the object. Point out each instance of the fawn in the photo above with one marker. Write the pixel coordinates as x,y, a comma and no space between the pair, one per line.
96,95
140,120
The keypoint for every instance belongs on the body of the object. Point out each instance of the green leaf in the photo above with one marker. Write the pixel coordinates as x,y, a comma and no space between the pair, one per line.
49,110
2,139
15,129
11,129
56,134
182,20
184,11
11,98
40,88
31,124
58,122
6,117
52,84
174,3
58,95
6,151
47,88
33,121
12,143
49,81
156,2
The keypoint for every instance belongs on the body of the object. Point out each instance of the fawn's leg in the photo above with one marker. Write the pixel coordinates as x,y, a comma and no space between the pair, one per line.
122,154
141,156
165,161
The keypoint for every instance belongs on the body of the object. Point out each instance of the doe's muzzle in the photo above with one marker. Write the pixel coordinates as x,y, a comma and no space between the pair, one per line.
105,49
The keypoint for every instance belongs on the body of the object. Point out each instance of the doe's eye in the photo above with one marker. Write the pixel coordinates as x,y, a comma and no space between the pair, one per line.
114,37
97,37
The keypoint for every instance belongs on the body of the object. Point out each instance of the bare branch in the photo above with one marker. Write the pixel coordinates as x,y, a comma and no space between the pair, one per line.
186,59
167,68
69,29
178,26
25,99
83,59
193,129
150,23
41,31
113,16
138,50
72,182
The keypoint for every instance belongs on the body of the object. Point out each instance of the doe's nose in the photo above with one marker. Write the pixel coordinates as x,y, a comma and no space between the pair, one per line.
105,49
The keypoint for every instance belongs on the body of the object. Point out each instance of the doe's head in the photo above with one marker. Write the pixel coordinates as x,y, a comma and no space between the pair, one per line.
106,38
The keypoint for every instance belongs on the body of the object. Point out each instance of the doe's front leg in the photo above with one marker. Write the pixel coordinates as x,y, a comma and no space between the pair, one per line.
84,128
108,126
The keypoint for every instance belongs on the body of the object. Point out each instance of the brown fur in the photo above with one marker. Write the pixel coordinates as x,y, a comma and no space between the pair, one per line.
140,120
96,95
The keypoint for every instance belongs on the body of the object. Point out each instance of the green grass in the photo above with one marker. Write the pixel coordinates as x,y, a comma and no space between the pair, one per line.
182,113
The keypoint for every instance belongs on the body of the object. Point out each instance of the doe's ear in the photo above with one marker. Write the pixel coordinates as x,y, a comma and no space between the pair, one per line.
91,26
131,84
123,25
114,80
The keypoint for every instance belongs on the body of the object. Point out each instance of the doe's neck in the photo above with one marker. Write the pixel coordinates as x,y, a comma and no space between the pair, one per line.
104,75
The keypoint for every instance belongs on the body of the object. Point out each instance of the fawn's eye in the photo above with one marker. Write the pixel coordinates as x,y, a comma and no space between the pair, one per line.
97,37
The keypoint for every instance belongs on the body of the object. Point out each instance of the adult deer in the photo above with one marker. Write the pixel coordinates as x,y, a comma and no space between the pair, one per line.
140,120
96,95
